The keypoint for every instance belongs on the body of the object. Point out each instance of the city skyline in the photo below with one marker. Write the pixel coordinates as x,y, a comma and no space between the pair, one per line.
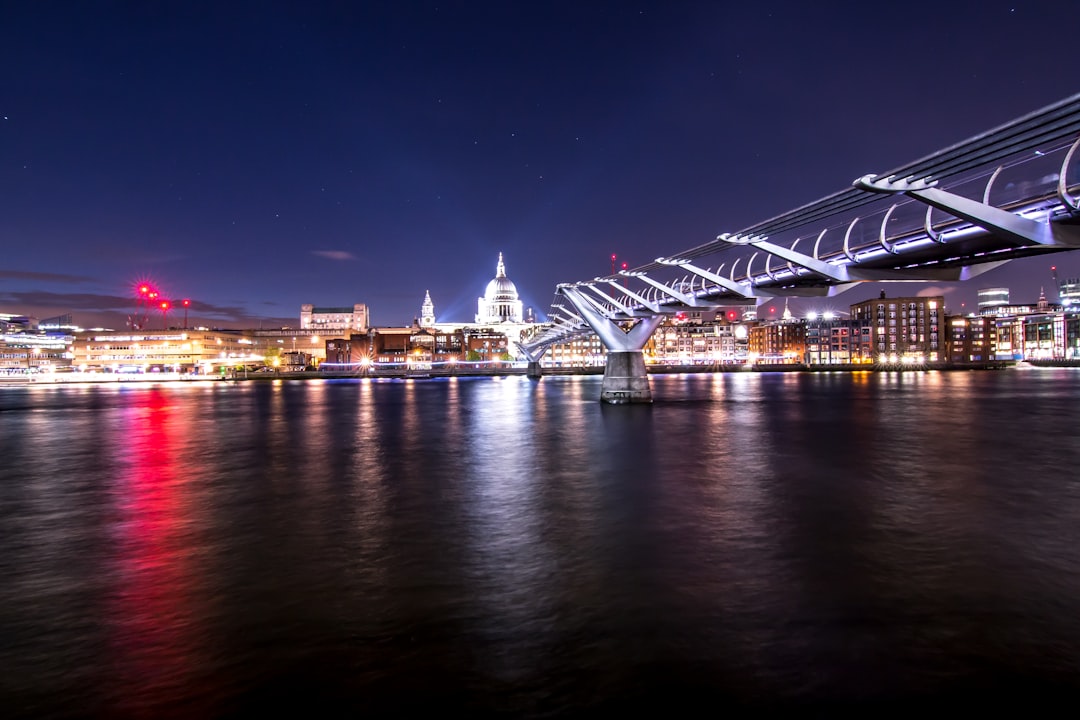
255,158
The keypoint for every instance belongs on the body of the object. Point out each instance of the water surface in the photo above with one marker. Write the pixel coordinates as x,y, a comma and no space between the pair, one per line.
804,542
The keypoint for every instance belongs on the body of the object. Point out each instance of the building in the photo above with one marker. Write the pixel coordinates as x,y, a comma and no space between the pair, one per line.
303,346
23,352
500,303
499,311
777,342
902,329
692,342
427,311
830,340
584,351
486,346
971,339
334,320
991,300
1069,292
183,351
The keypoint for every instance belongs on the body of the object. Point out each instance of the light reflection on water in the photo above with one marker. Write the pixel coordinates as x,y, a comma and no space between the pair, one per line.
783,540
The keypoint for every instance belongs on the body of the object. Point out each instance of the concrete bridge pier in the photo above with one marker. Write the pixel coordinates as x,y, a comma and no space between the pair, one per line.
533,371
625,379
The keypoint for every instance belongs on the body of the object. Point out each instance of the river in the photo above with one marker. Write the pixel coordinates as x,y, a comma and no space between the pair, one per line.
787,542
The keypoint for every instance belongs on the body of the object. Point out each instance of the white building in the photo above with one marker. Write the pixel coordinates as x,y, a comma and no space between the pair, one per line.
326,320
500,303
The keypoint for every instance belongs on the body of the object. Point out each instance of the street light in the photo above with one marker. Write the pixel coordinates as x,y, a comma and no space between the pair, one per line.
186,303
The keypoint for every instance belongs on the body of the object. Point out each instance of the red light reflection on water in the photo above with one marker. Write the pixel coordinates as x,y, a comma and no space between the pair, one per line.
153,627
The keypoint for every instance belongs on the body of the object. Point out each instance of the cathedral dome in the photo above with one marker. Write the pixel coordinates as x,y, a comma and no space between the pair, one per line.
501,289
500,302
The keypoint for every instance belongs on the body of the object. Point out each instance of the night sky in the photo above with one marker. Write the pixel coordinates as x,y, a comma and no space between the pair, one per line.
257,156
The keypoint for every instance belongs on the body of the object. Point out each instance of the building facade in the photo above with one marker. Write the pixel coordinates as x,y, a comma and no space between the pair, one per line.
901,329
831,340
334,320
971,339
781,343
183,351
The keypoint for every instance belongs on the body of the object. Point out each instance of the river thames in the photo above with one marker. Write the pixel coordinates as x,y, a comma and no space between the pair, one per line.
809,543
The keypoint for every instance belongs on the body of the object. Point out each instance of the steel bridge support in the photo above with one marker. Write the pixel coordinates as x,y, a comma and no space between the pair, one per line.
625,377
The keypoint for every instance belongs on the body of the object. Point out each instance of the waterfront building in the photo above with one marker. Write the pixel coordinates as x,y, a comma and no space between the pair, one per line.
34,352
585,351
692,341
971,339
830,340
381,346
777,343
304,347
1053,335
183,351
901,329
334,320
485,345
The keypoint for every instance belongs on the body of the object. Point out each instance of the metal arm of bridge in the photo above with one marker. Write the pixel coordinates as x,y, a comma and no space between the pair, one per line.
1010,227
682,298
744,290
624,309
847,275
650,305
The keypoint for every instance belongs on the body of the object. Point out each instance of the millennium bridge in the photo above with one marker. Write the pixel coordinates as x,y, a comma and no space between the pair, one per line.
950,216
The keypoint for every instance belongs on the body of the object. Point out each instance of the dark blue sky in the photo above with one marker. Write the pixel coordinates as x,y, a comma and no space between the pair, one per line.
256,156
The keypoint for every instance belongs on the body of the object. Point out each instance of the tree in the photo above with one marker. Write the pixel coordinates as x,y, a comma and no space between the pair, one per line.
272,353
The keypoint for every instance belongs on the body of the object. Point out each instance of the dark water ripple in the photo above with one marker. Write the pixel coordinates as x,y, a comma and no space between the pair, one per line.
812,543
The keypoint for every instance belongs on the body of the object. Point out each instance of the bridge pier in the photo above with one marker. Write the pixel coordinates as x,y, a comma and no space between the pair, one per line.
625,379
533,371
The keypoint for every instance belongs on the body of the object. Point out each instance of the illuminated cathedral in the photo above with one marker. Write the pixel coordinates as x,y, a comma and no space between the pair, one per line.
500,303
